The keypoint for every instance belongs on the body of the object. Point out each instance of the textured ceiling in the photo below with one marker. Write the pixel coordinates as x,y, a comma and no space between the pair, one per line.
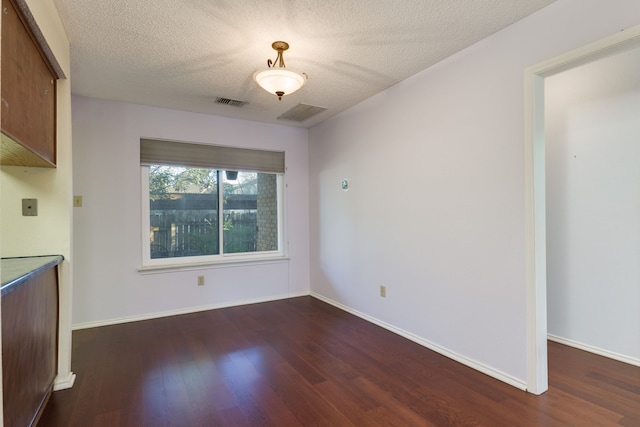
183,54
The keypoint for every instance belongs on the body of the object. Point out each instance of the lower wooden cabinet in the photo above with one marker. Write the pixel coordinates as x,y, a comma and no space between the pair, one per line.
29,347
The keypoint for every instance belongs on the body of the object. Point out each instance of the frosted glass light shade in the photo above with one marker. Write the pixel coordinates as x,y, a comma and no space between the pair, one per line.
280,81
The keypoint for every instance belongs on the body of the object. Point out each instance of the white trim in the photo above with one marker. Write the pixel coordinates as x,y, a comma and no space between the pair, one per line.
572,58
487,370
189,310
63,384
535,228
281,214
535,238
220,190
595,350
145,210
221,263
65,338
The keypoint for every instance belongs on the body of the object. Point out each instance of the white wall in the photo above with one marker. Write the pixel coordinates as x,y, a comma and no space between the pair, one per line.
50,231
107,229
436,206
592,124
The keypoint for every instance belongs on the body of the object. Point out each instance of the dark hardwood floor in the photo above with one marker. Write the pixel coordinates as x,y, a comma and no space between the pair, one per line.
303,362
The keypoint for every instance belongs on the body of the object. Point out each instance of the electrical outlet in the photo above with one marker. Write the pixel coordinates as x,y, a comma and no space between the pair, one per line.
383,291
200,280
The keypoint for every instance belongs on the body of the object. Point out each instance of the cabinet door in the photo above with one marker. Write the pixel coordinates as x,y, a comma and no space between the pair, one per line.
28,88
29,347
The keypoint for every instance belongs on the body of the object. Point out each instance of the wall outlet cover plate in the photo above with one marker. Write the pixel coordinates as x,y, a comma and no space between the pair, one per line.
29,207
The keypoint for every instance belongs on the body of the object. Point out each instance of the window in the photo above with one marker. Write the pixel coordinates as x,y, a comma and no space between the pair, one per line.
182,199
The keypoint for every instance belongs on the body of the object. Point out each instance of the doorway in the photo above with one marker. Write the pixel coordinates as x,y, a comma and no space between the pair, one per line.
535,220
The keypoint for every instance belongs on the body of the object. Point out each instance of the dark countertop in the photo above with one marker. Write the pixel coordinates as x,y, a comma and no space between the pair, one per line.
16,270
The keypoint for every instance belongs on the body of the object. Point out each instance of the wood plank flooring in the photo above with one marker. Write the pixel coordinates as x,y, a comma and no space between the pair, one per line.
302,362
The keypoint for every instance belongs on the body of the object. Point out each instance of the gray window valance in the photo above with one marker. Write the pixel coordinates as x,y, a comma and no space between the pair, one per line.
158,151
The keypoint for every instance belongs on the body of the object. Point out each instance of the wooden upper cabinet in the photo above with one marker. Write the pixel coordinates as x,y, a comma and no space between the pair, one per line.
28,90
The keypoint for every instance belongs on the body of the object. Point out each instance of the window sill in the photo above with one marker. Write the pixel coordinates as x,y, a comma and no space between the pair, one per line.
224,263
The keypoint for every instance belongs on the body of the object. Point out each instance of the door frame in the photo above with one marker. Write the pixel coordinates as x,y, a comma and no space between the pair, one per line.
535,213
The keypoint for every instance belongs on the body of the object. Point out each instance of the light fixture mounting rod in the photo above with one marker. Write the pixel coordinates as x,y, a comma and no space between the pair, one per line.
280,47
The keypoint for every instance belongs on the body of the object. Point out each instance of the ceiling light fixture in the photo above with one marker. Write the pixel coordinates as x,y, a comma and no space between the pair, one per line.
278,80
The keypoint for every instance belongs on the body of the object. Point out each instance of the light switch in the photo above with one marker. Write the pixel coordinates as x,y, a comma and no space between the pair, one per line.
77,201
29,207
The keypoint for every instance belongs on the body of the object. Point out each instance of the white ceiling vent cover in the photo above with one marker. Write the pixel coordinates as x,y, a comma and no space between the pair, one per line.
301,112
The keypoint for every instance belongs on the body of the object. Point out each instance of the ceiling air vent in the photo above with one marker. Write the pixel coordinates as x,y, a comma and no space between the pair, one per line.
230,102
301,112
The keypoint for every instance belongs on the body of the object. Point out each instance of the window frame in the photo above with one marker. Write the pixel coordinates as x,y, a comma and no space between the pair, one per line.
221,259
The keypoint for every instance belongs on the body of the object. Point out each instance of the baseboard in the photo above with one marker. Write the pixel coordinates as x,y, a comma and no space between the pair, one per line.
428,344
64,383
189,310
595,350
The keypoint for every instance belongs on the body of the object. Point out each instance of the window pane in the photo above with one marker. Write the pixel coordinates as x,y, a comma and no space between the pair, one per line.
183,211
250,212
